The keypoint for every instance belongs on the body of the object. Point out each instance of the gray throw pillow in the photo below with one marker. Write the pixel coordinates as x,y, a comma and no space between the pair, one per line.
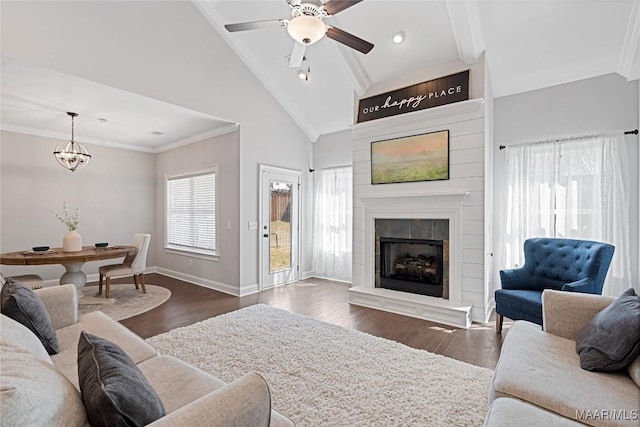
114,391
611,340
20,303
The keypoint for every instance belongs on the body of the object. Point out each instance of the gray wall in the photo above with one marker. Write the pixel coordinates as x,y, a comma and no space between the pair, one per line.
594,105
334,149
224,152
115,195
135,46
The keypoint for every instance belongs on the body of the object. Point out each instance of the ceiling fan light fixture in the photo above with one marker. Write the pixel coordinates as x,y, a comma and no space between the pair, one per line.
306,29
70,154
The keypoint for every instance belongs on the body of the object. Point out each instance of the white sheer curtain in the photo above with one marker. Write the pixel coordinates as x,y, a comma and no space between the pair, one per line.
576,188
332,238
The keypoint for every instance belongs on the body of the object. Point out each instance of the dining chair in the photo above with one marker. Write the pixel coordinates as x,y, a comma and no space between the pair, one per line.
133,265
32,280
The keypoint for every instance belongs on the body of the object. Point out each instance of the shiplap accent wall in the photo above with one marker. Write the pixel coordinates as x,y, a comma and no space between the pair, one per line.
466,124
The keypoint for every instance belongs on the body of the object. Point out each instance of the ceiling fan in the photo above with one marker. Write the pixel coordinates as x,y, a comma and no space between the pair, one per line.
306,27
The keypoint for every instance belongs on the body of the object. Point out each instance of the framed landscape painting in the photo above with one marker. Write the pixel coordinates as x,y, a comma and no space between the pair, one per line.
423,157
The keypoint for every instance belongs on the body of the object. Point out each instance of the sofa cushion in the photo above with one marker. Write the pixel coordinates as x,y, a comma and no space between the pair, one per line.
97,323
17,334
20,303
544,369
114,391
166,374
611,340
634,370
505,412
34,393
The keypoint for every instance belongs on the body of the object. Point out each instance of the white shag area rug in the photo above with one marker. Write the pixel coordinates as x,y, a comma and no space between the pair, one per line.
124,300
325,375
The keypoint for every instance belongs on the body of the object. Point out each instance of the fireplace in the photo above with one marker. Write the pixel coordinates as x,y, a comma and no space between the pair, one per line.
412,255
424,217
411,265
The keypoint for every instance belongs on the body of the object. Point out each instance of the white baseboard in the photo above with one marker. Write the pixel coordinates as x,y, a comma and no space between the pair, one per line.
205,283
306,274
333,279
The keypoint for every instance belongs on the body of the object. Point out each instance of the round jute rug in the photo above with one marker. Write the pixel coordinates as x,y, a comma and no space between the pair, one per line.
124,300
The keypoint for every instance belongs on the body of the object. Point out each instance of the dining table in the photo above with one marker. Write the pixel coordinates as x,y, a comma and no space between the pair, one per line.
72,261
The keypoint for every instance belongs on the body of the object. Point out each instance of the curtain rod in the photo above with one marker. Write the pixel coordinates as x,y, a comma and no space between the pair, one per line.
629,132
332,167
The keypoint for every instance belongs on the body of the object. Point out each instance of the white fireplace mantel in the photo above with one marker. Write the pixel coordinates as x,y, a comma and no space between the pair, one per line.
417,201
417,206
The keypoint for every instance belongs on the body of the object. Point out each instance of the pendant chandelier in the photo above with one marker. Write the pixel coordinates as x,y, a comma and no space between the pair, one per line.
71,154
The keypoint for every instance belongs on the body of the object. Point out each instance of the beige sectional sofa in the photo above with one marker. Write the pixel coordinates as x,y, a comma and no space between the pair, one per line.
38,389
539,382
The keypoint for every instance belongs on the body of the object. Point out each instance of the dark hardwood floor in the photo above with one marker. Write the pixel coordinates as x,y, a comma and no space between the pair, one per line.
323,300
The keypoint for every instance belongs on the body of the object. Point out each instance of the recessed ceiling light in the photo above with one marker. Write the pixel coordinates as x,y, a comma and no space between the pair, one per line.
398,37
302,75
102,120
157,132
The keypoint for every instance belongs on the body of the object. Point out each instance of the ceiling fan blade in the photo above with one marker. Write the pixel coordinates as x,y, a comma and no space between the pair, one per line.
297,55
255,25
349,40
334,6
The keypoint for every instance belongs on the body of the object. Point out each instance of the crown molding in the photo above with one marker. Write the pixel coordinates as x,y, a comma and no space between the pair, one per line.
207,9
464,17
628,65
65,136
222,130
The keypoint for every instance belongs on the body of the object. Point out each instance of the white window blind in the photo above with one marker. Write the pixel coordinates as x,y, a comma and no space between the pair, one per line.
191,212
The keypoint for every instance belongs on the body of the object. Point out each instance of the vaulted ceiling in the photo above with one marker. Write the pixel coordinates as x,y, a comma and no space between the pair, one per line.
527,44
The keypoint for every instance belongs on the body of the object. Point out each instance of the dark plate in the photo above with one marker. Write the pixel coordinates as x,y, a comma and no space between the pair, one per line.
102,245
40,248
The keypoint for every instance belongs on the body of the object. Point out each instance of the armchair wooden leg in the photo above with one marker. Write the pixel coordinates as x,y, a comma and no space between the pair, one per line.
135,281
141,280
100,285
499,319
106,290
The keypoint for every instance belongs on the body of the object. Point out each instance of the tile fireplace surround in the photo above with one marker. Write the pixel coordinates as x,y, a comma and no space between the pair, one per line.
434,207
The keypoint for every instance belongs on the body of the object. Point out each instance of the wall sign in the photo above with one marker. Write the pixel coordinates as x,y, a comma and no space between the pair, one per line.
441,91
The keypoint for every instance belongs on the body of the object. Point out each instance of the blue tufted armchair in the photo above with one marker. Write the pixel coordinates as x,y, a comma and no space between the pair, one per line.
560,264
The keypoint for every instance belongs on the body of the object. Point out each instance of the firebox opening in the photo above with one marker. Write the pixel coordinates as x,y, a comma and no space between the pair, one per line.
412,265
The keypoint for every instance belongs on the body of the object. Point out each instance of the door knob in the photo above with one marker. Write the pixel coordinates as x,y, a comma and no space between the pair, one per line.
265,235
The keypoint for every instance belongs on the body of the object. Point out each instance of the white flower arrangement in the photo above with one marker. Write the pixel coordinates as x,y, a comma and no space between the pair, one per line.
70,221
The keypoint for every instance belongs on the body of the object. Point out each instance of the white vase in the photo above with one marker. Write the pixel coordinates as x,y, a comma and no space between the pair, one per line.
72,242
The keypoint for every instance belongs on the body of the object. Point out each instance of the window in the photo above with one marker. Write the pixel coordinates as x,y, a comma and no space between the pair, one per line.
570,189
191,212
332,237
